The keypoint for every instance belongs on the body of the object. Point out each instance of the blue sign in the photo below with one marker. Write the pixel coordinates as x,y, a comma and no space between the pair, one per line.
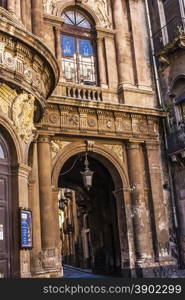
85,47
26,228
68,45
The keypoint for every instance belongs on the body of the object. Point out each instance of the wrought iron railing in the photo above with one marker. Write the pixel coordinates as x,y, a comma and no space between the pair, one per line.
167,34
176,141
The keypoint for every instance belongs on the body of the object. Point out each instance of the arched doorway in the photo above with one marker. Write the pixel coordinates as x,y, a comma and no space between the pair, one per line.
89,221
5,209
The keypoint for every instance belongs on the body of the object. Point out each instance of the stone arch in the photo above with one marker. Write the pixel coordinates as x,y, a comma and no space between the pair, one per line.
110,161
16,159
12,138
60,6
120,179
176,81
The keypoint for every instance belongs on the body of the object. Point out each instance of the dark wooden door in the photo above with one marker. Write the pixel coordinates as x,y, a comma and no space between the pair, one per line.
4,210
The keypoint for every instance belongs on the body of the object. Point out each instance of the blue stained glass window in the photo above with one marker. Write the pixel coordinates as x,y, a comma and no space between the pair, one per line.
68,45
85,47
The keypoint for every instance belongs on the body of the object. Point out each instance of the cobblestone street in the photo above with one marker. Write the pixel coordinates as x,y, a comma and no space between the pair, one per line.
73,272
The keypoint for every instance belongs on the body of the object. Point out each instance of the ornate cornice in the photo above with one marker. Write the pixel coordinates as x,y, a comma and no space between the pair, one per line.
127,122
25,61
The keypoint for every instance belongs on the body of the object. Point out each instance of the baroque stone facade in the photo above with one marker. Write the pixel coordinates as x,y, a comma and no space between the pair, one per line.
53,126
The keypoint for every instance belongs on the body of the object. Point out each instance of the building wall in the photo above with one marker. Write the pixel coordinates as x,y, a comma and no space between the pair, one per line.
170,60
117,122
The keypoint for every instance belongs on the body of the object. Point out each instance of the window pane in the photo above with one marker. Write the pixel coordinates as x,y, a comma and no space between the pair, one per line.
71,16
85,47
86,62
79,18
69,64
75,18
1,153
68,45
67,20
85,24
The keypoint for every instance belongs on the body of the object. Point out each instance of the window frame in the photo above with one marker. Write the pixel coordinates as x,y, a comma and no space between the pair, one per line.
82,33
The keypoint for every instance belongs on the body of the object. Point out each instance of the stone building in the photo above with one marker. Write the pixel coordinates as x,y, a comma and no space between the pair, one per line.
78,93
169,48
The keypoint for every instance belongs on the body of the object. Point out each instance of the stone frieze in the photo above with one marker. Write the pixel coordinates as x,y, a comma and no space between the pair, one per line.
97,122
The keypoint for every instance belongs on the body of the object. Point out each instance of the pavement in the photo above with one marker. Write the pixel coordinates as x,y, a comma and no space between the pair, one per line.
73,272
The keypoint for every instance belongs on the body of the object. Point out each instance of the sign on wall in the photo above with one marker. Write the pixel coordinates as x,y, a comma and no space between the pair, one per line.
26,228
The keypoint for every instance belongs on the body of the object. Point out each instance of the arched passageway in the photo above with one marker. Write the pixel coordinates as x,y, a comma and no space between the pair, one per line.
89,228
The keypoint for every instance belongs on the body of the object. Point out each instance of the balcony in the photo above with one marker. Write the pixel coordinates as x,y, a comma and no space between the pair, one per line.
176,141
169,35
71,92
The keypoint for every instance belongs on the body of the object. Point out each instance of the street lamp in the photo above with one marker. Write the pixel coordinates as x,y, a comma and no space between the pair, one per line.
87,175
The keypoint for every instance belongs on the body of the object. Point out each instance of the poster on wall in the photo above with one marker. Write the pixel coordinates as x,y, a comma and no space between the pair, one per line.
26,228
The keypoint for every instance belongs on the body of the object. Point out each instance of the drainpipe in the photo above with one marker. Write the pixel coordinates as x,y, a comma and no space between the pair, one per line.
161,105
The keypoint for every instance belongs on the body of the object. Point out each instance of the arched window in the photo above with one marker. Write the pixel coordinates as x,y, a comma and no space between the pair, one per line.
78,48
3,3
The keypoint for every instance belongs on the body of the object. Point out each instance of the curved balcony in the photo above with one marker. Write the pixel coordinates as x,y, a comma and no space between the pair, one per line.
25,62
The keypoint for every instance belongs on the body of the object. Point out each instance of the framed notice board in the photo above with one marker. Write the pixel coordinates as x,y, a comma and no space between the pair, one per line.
26,229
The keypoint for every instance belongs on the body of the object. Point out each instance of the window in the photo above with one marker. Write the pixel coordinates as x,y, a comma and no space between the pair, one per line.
78,49
2,155
163,21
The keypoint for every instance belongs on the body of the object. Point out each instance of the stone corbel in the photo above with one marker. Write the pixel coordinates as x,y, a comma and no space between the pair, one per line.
164,61
89,145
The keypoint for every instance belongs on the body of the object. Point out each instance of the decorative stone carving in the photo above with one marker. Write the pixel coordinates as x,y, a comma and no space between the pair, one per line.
117,149
102,9
49,5
34,67
58,146
74,119
22,115
7,95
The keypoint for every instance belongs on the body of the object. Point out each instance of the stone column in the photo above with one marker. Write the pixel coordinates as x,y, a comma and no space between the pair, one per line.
140,210
143,77
56,228
58,49
112,69
36,253
125,232
11,5
23,173
101,62
160,216
37,17
48,209
123,46
18,8
26,14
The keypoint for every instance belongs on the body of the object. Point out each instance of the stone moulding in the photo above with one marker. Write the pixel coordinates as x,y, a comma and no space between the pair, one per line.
70,120
26,62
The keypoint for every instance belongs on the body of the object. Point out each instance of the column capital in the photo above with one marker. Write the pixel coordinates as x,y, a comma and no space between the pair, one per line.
44,139
134,144
152,145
